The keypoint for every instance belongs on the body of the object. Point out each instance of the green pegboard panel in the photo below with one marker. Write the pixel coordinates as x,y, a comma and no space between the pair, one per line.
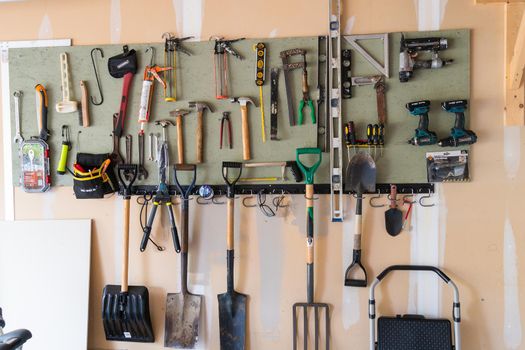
399,163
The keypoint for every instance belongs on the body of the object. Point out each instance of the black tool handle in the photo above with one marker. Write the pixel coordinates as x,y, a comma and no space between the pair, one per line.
460,121
296,172
274,104
423,122
173,229
42,94
2,321
230,182
389,269
147,228
124,169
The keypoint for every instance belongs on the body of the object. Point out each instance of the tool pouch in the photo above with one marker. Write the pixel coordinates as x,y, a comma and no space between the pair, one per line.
123,63
93,176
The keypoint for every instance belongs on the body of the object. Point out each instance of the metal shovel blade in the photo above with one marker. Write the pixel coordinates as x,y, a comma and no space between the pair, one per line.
182,320
232,320
393,221
361,174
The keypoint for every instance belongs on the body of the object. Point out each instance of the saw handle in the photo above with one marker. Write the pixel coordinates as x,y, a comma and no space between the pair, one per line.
41,98
246,151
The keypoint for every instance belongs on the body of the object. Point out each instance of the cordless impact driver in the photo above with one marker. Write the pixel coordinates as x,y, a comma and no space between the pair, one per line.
459,136
409,50
423,136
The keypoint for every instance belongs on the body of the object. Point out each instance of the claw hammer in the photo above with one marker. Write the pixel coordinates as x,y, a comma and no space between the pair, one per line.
178,114
243,101
200,107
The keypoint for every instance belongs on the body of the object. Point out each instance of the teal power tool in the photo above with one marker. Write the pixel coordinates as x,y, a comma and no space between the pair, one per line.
423,136
459,136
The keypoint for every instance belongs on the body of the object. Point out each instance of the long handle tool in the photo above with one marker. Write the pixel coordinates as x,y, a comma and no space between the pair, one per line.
318,309
360,178
183,309
125,309
232,305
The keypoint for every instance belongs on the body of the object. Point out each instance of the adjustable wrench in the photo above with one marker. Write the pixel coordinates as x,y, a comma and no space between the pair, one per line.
115,156
142,173
18,136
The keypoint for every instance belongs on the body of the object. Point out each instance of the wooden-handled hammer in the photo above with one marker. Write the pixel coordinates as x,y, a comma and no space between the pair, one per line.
178,114
200,107
243,101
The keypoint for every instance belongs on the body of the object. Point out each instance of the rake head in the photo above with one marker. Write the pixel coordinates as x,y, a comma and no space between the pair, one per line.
319,311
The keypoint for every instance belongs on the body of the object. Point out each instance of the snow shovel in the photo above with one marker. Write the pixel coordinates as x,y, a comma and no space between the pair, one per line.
310,305
393,216
232,305
360,178
183,309
125,309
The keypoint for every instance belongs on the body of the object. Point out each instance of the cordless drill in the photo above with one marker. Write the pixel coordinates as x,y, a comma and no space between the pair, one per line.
459,136
423,136
409,50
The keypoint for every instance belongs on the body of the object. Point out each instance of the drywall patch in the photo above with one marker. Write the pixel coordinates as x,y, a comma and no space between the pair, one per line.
430,13
273,33
45,31
349,25
189,17
426,240
512,150
512,318
115,21
351,313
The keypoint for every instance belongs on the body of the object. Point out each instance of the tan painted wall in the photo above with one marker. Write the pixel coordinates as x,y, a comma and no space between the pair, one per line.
473,215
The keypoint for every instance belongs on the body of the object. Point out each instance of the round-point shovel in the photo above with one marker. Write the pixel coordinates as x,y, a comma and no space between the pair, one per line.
183,309
393,216
232,305
360,178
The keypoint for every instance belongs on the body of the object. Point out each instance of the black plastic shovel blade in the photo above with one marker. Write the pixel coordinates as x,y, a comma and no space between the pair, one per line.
361,174
232,320
126,316
182,320
393,221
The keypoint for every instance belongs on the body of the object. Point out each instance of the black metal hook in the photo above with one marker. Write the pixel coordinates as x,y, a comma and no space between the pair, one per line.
96,76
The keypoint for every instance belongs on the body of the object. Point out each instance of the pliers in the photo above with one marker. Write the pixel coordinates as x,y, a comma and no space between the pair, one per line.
226,120
162,196
306,96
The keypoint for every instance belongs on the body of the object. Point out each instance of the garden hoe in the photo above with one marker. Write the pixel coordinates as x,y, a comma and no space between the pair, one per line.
183,309
360,178
322,309
232,305
125,309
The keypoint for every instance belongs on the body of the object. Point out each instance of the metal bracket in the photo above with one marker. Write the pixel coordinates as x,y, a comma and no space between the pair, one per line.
353,40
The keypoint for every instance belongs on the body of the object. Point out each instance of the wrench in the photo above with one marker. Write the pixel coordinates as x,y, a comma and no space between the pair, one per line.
142,173
115,156
18,136
156,143
150,154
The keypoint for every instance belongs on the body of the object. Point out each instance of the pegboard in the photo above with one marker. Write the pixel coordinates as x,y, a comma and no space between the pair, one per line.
399,163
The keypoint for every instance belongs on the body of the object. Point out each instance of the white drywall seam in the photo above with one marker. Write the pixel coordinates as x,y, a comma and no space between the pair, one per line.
430,14
46,30
512,318
349,26
189,15
512,150
351,313
273,33
115,21
9,201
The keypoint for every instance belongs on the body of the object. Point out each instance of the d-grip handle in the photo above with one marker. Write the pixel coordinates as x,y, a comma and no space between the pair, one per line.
434,269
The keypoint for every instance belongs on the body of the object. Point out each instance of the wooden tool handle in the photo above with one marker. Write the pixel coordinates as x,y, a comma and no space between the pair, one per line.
393,196
125,247
229,224
358,222
85,104
246,152
180,141
310,223
199,136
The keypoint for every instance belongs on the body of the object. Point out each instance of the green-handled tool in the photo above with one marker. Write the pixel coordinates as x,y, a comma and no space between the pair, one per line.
306,95
319,309
66,147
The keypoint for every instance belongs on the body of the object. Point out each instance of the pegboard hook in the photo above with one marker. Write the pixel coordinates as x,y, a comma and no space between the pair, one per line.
96,76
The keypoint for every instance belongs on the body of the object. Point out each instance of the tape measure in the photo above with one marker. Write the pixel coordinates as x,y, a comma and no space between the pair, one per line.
260,74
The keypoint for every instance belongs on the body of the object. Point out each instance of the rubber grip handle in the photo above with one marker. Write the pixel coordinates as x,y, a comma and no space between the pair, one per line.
389,269
61,167
312,111
301,116
173,229
147,228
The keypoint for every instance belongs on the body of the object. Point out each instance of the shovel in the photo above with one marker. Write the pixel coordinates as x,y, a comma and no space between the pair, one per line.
123,65
310,305
393,216
232,305
183,309
360,178
125,309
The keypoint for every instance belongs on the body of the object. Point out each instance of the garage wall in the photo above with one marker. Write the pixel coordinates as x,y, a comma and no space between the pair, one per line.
473,231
